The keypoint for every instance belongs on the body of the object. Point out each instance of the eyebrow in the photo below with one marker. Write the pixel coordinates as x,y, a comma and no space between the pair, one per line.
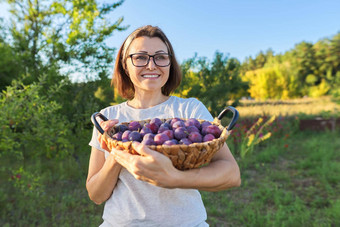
159,51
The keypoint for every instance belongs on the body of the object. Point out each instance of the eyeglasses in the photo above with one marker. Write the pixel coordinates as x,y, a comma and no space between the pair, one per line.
141,59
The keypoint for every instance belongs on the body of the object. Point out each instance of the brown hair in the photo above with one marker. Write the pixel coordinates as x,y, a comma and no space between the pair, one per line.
121,81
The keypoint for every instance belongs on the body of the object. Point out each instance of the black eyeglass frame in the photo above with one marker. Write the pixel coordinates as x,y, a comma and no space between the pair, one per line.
153,58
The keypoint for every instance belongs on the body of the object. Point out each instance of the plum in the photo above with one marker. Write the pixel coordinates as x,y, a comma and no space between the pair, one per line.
125,135
195,137
205,124
178,124
134,126
135,136
192,129
117,136
169,133
122,128
212,129
170,142
148,141
145,130
156,121
174,120
193,122
160,138
185,141
163,128
153,126
181,133
149,136
208,137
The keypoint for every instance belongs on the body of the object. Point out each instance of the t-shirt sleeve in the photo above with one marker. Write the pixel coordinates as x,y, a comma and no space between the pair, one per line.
200,111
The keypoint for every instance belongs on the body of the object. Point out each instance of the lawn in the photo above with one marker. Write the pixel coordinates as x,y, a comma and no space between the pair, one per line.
287,182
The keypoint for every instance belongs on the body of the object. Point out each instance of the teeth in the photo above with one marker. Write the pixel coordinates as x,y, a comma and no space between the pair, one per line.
150,76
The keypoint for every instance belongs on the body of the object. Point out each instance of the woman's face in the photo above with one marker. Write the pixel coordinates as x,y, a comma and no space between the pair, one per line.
149,78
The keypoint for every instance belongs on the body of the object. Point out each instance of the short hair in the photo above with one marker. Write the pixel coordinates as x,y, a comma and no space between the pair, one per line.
122,82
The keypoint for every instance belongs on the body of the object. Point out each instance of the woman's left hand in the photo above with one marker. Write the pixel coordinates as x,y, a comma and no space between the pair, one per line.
150,166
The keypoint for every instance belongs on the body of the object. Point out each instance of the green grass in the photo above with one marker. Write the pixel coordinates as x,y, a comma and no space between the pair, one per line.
296,185
291,181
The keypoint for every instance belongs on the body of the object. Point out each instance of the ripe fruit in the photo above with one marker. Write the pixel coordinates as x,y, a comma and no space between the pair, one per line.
181,133
161,138
134,126
135,136
208,137
195,137
170,132
212,129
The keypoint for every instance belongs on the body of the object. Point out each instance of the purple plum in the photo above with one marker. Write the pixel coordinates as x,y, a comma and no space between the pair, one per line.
178,124
153,126
156,121
135,136
181,133
185,141
134,126
125,135
122,128
195,137
193,122
160,138
145,130
208,137
169,133
192,129
117,136
212,129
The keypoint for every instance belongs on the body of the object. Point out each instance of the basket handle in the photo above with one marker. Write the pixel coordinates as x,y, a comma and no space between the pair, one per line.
95,122
234,118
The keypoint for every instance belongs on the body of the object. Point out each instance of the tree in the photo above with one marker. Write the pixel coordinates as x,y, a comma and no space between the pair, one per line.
214,83
62,34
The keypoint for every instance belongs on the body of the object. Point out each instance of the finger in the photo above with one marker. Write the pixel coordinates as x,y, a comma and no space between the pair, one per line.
123,157
143,150
106,125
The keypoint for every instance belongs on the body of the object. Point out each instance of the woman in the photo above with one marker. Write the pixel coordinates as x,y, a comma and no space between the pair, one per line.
147,190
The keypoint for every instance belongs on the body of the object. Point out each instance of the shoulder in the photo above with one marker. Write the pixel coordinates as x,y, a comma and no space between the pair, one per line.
110,111
193,108
188,101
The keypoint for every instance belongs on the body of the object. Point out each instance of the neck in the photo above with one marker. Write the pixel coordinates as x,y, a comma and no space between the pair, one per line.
143,101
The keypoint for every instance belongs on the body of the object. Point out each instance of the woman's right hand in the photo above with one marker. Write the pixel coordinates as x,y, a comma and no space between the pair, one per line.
106,125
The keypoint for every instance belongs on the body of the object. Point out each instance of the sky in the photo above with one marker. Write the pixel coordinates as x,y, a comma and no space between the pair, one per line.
236,28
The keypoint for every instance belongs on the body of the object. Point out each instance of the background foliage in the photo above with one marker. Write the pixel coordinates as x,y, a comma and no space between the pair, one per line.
44,119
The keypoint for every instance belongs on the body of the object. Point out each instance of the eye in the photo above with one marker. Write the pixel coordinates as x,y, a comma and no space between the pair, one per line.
161,57
140,57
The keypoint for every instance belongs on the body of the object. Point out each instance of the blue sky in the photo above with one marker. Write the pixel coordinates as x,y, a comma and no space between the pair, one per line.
238,28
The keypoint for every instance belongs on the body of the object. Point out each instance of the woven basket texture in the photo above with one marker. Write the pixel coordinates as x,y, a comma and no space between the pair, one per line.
182,156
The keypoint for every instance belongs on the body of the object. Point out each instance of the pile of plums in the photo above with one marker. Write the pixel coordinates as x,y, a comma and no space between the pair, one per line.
172,131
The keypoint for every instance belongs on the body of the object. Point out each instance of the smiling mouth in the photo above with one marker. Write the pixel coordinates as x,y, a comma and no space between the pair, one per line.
150,76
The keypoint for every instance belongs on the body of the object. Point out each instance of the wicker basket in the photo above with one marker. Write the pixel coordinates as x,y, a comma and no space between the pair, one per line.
182,156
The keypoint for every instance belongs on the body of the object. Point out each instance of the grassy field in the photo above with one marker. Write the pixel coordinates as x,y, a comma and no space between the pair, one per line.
288,182
291,179
305,107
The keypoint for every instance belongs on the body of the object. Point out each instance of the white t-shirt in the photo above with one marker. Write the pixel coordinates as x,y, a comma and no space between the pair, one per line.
137,203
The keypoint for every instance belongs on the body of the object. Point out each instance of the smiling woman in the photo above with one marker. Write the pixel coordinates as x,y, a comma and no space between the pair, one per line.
146,189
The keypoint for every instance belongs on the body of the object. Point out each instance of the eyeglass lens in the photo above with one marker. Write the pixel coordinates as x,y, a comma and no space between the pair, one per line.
143,59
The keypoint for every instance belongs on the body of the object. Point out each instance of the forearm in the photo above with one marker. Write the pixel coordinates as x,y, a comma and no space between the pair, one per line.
101,185
222,173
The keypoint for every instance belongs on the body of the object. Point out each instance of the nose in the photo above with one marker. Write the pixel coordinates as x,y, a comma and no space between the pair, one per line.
151,64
